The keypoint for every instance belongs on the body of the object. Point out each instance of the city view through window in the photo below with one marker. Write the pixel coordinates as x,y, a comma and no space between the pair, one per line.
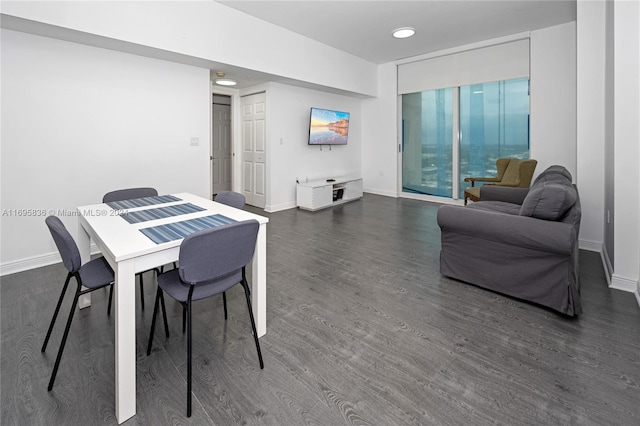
493,123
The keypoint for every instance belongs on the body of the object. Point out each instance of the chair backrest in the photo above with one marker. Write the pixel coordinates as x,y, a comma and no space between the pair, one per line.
128,194
213,253
66,245
501,165
512,173
518,173
527,167
230,198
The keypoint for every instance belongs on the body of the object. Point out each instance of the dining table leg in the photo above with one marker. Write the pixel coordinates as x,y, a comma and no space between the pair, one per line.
259,281
125,340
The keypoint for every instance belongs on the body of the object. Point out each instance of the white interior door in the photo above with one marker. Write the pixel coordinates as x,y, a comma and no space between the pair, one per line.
221,148
254,149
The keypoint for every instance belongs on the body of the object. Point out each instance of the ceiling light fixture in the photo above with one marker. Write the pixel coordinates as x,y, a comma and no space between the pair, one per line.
222,81
226,82
403,32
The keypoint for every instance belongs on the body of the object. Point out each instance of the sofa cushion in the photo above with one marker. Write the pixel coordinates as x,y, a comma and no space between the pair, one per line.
554,174
548,200
496,206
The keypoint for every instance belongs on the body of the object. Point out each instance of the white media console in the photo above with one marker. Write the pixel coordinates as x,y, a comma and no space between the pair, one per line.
321,193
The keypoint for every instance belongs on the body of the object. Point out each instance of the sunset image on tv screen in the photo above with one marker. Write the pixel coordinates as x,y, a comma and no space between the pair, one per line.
328,127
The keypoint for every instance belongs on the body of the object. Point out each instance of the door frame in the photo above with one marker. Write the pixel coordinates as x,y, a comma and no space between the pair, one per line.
224,162
256,90
234,133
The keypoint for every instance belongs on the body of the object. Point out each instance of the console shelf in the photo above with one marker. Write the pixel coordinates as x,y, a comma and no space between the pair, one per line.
321,193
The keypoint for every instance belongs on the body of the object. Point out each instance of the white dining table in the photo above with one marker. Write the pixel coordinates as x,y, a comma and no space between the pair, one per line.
129,251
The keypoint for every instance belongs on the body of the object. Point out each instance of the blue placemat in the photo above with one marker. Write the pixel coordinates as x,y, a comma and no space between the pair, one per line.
141,202
160,213
178,230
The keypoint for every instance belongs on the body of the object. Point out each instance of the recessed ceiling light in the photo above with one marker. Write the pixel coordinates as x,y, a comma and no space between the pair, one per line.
226,82
403,32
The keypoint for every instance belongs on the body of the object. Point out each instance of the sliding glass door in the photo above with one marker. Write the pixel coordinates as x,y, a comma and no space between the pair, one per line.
494,123
427,119
460,132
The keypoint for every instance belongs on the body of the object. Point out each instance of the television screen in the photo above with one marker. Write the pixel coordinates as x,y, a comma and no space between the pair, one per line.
328,127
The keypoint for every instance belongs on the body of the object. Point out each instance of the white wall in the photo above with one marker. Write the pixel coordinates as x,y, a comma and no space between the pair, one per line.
290,156
609,152
380,135
553,111
590,177
78,121
205,31
553,97
627,153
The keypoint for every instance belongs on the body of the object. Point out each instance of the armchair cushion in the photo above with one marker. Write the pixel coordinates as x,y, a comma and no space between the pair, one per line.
548,201
512,173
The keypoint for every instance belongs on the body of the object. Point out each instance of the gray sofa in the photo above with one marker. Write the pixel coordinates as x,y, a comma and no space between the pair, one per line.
522,242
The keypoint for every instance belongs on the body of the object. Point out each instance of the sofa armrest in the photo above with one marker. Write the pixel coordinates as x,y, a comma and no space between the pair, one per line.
503,193
522,231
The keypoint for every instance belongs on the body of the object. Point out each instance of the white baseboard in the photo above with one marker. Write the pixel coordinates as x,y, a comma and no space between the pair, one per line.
624,284
590,245
606,264
280,207
33,262
379,192
29,263
615,281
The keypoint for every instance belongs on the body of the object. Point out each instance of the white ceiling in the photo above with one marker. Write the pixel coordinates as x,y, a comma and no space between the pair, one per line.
363,28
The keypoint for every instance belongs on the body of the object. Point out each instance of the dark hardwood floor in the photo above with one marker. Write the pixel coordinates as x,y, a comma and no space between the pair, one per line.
362,329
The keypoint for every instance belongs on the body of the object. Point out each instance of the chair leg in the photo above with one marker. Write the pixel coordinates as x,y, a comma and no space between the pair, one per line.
189,358
164,315
55,313
110,299
64,338
141,291
153,321
253,323
224,302
162,267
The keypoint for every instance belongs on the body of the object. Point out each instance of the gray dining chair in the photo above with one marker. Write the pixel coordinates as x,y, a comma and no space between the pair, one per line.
230,198
128,194
235,200
211,261
92,275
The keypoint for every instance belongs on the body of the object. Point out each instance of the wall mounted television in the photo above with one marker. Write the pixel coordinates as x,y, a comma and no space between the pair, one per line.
328,127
